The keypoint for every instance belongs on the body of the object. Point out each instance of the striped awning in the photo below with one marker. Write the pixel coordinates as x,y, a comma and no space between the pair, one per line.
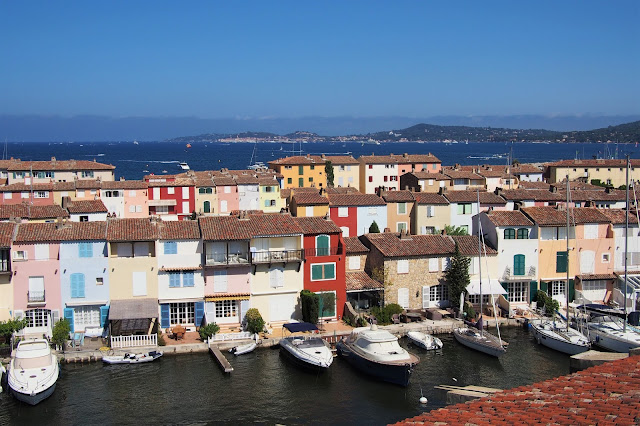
227,296
179,268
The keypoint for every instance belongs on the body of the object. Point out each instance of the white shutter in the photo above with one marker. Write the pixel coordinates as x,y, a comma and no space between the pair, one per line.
156,193
587,261
276,277
220,281
18,314
354,263
185,192
308,211
139,283
445,263
343,211
425,297
223,206
433,264
42,251
55,316
403,297
132,194
185,207
429,211
591,231
281,307
345,231
36,284
403,266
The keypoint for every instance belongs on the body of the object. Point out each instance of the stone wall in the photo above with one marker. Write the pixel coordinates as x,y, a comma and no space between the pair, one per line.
417,277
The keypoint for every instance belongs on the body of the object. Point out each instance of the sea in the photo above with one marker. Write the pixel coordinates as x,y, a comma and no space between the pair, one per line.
135,160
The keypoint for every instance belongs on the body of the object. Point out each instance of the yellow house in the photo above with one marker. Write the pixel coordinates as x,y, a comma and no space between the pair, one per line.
431,213
610,172
270,199
307,204
301,171
346,170
400,206
56,171
206,195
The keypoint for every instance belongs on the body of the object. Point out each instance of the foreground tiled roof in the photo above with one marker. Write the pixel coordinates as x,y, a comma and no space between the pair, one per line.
594,163
298,160
429,198
617,216
607,394
179,230
427,175
401,196
6,233
508,218
248,226
67,231
341,190
525,169
18,187
132,229
355,246
88,184
523,184
34,212
89,206
355,199
551,216
124,184
399,159
317,225
531,194
309,198
391,245
359,281
468,245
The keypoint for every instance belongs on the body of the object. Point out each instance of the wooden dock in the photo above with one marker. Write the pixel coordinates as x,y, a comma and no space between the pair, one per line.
222,361
461,394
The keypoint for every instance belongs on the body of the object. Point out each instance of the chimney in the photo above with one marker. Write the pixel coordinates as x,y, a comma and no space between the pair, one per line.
404,235
121,178
405,155
442,190
52,159
323,156
386,230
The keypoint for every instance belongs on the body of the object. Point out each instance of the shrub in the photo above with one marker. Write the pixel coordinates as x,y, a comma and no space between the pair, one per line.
161,341
209,330
255,323
548,303
61,332
385,314
7,328
469,312
374,228
310,306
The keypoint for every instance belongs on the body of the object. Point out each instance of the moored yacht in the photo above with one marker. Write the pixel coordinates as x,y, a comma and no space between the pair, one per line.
307,352
33,371
609,332
556,335
378,353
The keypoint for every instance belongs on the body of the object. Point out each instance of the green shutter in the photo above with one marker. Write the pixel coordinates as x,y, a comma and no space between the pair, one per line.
533,291
104,314
572,290
506,288
300,170
561,261
329,271
316,272
322,245
518,264
460,209
544,286
300,182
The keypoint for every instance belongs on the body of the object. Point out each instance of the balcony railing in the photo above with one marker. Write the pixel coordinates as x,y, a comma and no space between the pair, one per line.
510,275
328,251
277,256
35,296
227,259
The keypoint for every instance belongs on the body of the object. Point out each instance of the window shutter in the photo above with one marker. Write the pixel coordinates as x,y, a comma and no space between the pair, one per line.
174,279
187,279
199,311
329,271
244,307
506,288
322,245
104,314
77,286
220,281
68,315
316,272
55,315
425,297
165,312
523,234
561,261
403,297
518,264
533,291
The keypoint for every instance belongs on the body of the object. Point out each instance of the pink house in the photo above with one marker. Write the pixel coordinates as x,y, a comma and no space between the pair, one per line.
227,191
36,277
38,194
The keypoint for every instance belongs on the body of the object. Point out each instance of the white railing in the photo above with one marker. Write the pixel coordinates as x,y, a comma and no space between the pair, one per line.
133,341
223,337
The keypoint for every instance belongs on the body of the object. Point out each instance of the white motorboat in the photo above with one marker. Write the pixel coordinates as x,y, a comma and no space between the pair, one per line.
556,335
609,332
307,352
33,371
184,166
132,358
480,340
425,341
378,353
243,349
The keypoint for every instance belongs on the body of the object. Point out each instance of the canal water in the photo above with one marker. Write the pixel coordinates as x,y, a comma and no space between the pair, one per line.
191,389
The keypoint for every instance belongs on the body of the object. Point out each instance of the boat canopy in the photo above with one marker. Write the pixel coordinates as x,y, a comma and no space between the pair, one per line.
488,287
295,327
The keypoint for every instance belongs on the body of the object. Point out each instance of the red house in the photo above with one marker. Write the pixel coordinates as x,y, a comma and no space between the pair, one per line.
324,265
172,197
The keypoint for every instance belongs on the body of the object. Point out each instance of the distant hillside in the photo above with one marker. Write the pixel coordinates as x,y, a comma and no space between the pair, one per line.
623,133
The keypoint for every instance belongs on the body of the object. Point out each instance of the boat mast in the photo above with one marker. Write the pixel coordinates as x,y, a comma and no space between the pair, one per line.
566,290
479,255
626,242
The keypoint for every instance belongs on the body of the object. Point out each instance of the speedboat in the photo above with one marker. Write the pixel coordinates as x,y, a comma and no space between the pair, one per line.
480,340
556,335
306,352
132,358
33,371
243,349
184,166
425,341
608,332
378,353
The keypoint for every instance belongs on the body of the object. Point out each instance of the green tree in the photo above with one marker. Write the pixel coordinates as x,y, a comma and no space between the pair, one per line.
328,170
208,330
61,332
457,275
7,328
310,303
455,230
374,229
327,301
255,323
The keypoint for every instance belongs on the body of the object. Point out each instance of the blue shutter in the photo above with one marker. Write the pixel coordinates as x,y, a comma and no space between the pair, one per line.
104,314
174,279
187,279
77,286
170,247
81,285
199,308
165,312
68,315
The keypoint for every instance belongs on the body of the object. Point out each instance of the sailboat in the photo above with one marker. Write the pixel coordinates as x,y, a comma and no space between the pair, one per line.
476,337
556,334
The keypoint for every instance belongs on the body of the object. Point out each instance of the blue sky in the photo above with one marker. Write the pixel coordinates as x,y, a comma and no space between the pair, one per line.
324,58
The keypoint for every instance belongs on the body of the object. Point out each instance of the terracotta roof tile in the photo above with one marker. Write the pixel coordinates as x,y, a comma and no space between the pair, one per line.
65,186
342,190
508,218
309,198
6,233
18,165
317,225
218,228
390,245
531,194
67,231
525,169
90,206
53,211
355,199
430,198
402,196
223,181
246,180
472,197
88,184
551,216
298,160
359,280
179,230
594,163
399,159
427,175
341,159
18,187
523,184
124,184
461,174
354,246
252,226
468,245
617,216
132,229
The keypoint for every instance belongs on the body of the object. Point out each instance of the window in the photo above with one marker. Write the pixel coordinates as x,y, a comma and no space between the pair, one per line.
370,178
156,193
84,219
85,249
594,285
132,193
202,191
558,288
300,182
182,313
518,265
438,292
509,234
7,195
227,190
403,297
343,211
87,173
86,316
220,281
37,317
606,257
401,226
402,208
226,309
372,211
300,170
403,266
311,179
523,234
276,277
561,261
474,299
185,207
322,245
206,207
430,210
326,311
188,279
591,231
171,190
323,271
20,255
25,194
162,209
174,279
384,178
464,208
354,263
185,192
289,180
41,194
518,291
42,251
99,281
433,264
77,286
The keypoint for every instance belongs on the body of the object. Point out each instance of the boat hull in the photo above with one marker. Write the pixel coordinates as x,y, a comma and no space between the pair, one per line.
552,341
610,342
398,374
119,359
425,341
302,360
243,349
488,344
35,398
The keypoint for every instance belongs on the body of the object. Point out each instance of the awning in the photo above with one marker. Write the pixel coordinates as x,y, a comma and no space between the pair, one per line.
133,309
294,327
488,287
227,296
179,268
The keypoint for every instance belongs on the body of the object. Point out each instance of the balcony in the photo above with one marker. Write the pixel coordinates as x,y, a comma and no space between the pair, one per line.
224,259
35,296
283,256
509,275
325,251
